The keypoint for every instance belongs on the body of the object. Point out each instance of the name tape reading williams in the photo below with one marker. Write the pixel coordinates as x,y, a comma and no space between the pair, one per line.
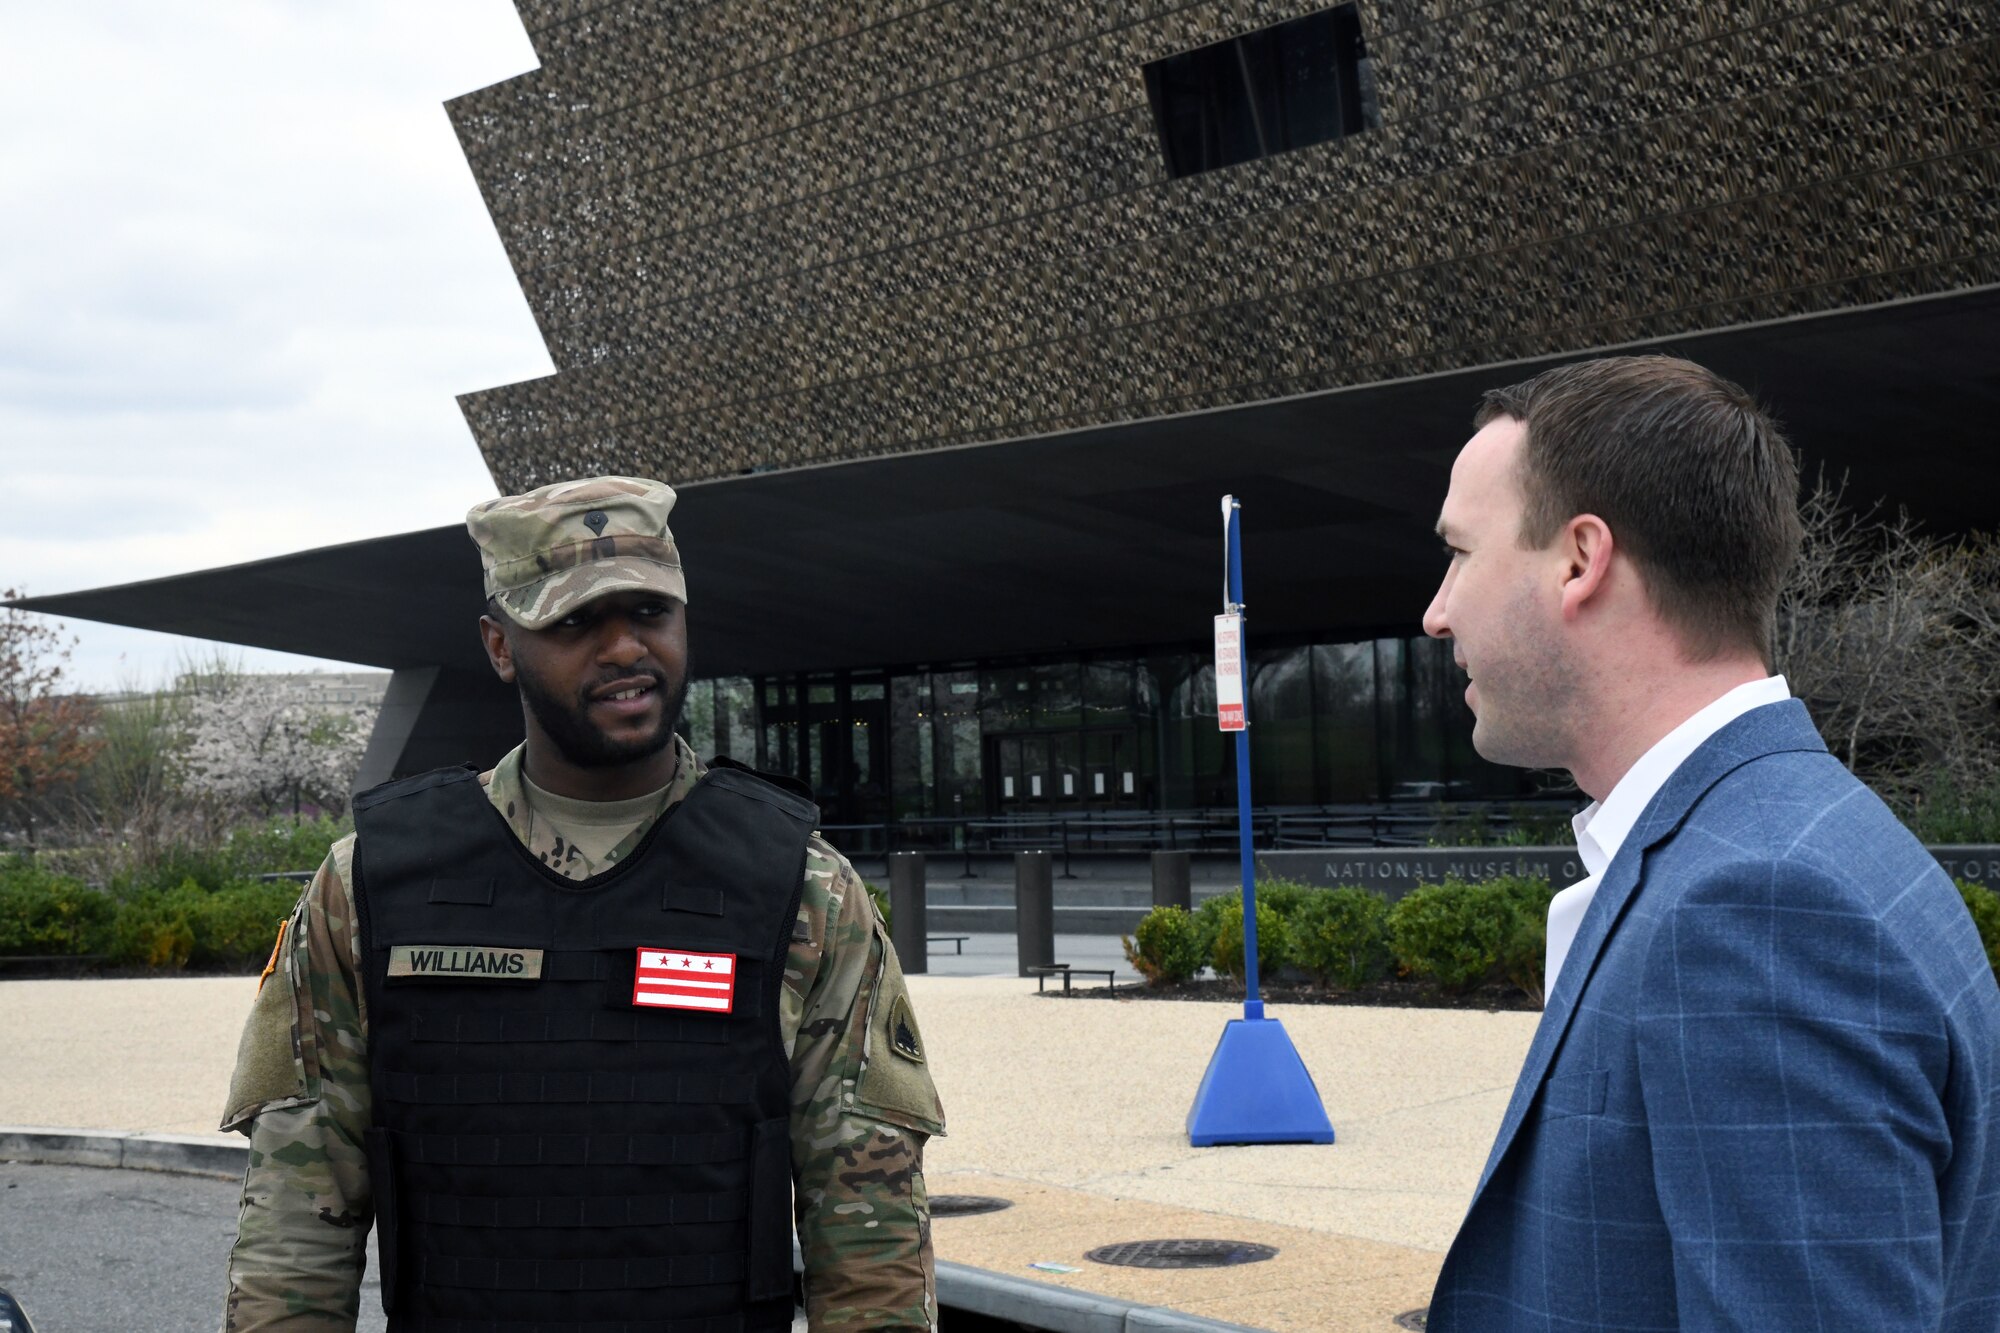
459,961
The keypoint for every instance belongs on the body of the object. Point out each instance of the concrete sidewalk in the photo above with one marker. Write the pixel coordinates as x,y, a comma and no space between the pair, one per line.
1071,1108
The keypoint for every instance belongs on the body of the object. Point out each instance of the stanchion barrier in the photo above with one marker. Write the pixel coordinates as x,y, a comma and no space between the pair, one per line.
908,925
1034,910
1173,880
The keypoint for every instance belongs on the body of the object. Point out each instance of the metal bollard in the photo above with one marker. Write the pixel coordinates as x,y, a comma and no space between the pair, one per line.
1034,909
908,928
1172,880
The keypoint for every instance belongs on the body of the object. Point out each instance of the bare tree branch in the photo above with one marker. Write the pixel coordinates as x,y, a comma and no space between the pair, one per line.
1892,639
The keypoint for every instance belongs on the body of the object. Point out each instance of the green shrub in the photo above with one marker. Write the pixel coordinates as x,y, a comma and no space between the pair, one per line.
1948,813
153,927
235,925
1208,916
1166,949
1285,896
279,845
272,847
1984,904
172,866
1225,946
228,927
1524,946
1341,936
1450,933
43,914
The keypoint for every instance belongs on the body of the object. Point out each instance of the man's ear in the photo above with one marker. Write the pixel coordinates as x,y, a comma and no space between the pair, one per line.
1586,547
498,651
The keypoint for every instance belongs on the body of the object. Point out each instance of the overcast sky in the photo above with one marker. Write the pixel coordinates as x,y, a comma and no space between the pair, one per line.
243,270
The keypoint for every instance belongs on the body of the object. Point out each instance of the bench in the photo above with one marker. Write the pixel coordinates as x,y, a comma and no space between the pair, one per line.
957,942
1065,970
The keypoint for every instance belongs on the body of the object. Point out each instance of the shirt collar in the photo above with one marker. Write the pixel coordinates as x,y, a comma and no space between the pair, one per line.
1601,827
507,786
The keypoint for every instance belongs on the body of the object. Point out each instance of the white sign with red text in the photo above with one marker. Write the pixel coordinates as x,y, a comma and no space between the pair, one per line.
1229,709
677,979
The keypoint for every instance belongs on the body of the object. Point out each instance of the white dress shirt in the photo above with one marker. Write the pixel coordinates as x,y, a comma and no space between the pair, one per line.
1602,825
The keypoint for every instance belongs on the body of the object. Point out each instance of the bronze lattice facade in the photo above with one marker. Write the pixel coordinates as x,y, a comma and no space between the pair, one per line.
762,235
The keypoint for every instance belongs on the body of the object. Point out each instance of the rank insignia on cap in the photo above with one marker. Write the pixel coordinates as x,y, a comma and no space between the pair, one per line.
903,1031
679,979
595,521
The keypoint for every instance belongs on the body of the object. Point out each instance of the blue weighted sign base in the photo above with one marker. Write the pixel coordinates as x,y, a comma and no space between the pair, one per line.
1257,1090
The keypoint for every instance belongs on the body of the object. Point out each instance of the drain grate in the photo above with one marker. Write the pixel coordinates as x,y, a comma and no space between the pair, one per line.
966,1205
1413,1319
1181,1253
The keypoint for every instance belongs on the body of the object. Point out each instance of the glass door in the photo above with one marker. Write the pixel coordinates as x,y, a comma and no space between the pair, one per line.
1111,775
1019,774
1049,772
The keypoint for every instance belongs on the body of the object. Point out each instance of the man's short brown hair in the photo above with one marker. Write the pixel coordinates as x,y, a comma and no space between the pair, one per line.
1696,482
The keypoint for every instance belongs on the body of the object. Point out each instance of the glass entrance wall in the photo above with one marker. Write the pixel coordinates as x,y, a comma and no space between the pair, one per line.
1331,723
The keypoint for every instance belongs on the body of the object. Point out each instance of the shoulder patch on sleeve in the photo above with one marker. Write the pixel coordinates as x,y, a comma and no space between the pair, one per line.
270,1066
895,1083
267,1066
903,1039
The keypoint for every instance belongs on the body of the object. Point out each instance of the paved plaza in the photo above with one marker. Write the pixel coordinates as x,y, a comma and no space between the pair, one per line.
1073,1109
986,955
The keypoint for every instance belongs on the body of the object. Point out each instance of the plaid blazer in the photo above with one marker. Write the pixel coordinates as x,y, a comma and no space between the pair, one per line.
1765,1093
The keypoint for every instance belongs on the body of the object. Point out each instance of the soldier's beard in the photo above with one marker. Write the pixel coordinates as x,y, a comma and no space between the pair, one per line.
567,722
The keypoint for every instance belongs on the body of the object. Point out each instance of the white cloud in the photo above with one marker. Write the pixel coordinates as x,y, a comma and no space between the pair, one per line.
244,268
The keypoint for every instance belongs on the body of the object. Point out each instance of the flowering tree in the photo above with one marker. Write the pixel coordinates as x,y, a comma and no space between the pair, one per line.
45,735
267,744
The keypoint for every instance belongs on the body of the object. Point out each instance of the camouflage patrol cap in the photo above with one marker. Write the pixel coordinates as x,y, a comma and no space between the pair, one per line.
552,550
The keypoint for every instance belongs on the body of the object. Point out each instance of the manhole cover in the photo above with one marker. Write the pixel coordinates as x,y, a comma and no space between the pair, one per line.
964,1205
1413,1319
1181,1253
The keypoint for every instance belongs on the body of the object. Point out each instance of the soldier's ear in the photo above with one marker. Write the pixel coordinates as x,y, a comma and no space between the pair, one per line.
499,651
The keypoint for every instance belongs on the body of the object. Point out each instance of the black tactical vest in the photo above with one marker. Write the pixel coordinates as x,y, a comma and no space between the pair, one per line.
580,1088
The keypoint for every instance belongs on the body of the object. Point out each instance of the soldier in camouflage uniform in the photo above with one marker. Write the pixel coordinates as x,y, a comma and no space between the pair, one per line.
861,1103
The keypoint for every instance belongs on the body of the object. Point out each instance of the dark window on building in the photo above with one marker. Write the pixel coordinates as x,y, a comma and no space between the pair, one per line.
1301,82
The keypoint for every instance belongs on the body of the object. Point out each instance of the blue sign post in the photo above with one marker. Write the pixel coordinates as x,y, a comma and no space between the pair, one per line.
1257,1089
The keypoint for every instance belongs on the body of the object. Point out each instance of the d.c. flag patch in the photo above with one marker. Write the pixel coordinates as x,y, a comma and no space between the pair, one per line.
677,979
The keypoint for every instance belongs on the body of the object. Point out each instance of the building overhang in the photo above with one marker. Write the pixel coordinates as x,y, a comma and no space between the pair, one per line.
1111,537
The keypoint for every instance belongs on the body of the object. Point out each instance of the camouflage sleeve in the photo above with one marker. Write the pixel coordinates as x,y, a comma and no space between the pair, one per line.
300,1092
862,1108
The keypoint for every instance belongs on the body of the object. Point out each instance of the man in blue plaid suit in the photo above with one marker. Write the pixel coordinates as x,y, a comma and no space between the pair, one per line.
1765,1093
